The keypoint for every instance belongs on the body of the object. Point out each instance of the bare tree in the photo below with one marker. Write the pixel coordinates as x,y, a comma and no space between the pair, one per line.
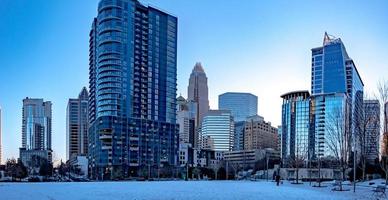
382,96
339,138
298,160
368,126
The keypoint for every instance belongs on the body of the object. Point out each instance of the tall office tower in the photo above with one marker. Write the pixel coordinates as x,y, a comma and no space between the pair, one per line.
242,105
217,132
36,130
77,125
132,84
337,90
371,123
260,134
0,139
296,137
198,91
186,114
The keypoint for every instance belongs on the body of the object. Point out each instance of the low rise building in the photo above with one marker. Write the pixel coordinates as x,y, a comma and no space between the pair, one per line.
79,165
260,134
248,158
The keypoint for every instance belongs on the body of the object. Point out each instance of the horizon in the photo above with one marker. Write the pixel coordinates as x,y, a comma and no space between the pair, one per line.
45,52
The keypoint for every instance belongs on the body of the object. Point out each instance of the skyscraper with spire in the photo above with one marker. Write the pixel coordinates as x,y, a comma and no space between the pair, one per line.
77,125
198,92
336,94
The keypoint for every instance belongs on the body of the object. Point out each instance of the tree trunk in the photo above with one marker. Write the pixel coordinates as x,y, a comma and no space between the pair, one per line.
363,171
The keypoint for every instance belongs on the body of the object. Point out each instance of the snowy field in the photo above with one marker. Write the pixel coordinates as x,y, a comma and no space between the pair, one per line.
176,190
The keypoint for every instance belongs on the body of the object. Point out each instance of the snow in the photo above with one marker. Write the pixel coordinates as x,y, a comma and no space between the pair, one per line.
174,190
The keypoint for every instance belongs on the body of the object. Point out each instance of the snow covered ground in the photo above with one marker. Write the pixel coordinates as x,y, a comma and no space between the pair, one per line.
176,190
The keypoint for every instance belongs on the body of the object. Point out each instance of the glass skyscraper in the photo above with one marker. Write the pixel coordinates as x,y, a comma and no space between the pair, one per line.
296,139
36,130
77,125
217,132
132,84
242,105
336,86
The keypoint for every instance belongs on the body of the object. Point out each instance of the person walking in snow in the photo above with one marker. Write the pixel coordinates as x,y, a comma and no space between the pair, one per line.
277,179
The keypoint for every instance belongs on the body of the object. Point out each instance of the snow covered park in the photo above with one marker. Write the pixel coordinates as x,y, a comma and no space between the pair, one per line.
175,190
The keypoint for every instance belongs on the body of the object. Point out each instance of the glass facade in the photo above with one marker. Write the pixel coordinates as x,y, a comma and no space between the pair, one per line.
239,133
296,135
132,84
335,85
242,105
217,132
327,111
36,127
36,130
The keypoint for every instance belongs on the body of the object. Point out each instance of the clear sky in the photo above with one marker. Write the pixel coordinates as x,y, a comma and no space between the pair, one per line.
244,46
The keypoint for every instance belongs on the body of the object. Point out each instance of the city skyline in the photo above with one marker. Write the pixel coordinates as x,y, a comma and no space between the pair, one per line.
262,48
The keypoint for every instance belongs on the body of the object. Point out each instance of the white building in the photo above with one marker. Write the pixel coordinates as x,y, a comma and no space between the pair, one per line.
80,162
217,131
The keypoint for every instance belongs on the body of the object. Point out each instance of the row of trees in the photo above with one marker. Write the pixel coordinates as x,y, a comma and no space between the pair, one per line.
38,166
346,148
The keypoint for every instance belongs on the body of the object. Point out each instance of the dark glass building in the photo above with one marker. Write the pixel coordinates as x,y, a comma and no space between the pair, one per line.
132,80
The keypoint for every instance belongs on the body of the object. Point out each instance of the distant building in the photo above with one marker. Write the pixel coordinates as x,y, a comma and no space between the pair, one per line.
242,105
208,158
77,125
296,140
186,118
36,130
248,158
194,157
198,92
217,132
185,155
260,134
372,130
80,163
239,133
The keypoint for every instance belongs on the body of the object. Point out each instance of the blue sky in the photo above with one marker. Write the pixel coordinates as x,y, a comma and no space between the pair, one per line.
244,46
